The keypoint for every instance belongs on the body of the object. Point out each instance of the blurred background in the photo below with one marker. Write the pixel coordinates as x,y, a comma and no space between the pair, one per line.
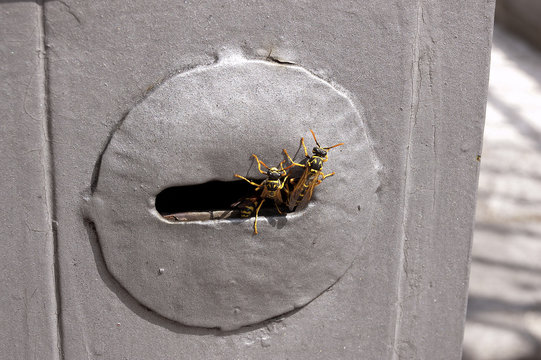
504,305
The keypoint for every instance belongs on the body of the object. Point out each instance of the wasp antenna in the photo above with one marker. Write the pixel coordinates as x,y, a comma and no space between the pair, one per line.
259,161
288,157
314,135
330,147
288,167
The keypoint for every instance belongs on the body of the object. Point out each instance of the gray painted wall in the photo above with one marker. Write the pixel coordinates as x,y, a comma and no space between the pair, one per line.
418,70
28,315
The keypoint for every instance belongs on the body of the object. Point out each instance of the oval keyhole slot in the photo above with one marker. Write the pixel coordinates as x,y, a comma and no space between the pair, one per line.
212,200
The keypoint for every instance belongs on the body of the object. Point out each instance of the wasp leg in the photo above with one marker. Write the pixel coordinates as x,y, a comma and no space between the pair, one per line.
251,182
283,183
256,214
278,209
259,163
323,176
286,191
304,147
291,160
286,188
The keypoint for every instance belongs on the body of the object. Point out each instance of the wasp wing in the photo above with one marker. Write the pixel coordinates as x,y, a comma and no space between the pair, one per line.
297,189
309,187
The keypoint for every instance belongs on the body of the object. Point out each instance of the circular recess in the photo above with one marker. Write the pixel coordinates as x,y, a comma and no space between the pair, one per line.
202,126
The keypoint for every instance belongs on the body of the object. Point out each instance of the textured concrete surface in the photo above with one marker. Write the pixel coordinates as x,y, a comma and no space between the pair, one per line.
504,307
420,72
418,69
28,319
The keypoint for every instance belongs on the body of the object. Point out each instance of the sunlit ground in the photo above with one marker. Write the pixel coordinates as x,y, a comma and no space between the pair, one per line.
504,307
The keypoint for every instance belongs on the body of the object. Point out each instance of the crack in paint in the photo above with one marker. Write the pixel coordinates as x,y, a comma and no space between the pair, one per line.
414,108
49,177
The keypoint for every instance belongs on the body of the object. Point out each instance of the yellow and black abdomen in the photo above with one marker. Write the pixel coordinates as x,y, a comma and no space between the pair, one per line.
247,206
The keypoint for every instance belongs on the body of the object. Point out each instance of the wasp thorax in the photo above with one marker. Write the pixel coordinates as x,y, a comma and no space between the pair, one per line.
319,151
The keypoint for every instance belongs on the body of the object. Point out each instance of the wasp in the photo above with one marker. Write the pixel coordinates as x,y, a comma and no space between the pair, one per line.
312,176
271,188
246,205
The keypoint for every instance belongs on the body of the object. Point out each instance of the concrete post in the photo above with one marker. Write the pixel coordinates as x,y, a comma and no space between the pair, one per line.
376,267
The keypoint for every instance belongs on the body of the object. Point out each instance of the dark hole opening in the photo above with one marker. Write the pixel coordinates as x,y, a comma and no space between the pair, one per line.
198,202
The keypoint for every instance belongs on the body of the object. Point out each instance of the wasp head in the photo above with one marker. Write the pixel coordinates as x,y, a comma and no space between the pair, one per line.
273,173
317,151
